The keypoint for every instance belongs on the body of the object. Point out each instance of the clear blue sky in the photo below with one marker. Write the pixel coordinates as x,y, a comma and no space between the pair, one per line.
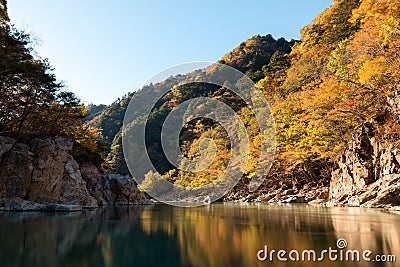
105,49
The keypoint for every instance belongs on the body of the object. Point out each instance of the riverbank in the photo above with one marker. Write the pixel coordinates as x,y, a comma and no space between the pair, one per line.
42,175
311,194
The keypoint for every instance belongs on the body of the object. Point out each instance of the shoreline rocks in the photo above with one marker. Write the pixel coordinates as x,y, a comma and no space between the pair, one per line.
368,173
310,193
43,175
23,205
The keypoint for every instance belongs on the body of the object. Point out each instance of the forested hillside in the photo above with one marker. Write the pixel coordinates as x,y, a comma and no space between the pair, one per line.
252,56
341,74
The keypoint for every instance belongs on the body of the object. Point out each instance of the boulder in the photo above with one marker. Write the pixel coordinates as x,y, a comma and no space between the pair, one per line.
112,189
18,204
42,171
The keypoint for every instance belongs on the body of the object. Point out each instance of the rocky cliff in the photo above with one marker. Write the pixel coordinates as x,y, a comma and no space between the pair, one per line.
368,172
42,171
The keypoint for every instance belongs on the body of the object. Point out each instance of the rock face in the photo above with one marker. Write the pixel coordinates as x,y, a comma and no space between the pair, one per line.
393,104
368,172
44,172
111,189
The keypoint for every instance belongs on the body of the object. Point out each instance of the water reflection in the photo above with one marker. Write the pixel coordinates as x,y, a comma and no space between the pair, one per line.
367,229
216,235
231,235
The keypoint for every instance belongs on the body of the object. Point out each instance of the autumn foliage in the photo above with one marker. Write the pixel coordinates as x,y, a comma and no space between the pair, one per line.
321,88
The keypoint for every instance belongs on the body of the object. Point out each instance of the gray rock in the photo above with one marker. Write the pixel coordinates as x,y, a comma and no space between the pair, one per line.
394,104
23,205
62,208
368,172
15,205
43,172
112,189
355,167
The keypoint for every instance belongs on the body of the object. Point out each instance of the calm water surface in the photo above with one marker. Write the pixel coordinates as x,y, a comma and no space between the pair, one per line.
216,235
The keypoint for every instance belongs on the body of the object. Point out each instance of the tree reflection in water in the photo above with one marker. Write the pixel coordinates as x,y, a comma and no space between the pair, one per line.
214,235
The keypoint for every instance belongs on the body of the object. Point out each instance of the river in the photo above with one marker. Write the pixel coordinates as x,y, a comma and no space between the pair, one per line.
214,235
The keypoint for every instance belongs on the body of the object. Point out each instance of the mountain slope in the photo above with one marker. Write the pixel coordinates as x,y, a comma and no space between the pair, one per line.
343,73
340,76
251,56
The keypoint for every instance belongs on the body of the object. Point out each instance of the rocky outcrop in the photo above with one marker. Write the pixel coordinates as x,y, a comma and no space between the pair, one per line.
44,172
16,204
367,175
111,189
368,172
393,104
